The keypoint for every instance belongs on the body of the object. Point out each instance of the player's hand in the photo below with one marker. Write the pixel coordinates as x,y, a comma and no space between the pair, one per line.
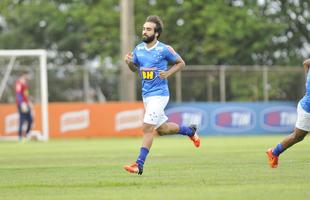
128,58
163,74
24,107
307,62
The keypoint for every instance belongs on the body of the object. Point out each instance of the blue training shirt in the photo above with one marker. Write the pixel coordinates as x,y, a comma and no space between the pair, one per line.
150,62
305,101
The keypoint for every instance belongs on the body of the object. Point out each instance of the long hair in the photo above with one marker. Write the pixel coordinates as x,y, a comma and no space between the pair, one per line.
156,20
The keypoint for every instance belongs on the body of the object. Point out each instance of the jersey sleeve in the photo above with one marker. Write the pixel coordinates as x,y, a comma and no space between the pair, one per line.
170,54
19,92
18,87
134,57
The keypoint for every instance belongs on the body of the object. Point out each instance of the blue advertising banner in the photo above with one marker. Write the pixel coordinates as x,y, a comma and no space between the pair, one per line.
235,118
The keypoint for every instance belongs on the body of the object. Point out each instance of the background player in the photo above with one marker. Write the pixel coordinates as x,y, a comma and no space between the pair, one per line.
302,126
150,59
24,105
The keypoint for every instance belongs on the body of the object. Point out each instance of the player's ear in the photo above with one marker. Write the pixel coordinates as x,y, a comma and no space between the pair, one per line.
156,34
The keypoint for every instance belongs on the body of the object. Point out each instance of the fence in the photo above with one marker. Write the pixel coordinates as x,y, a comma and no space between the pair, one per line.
238,83
193,84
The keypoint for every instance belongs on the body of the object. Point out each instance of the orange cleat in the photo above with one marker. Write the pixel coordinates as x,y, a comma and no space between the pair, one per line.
134,168
195,138
273,160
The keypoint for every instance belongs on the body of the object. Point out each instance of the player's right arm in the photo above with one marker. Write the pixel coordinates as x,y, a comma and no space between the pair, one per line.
19,93
129,62
306,64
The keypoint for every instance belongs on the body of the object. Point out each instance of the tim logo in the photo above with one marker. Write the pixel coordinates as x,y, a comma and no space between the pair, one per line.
187,116
233,119
280,118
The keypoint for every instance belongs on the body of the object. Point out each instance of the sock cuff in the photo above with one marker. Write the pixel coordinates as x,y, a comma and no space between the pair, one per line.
146,150
277,150
185,130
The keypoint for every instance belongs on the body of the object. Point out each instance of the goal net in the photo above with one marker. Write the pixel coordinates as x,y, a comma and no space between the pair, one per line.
12,64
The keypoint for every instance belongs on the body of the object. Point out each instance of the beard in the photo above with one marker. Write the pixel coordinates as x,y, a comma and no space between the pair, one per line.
148,39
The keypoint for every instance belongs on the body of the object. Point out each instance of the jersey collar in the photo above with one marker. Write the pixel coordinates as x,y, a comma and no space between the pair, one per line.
149,49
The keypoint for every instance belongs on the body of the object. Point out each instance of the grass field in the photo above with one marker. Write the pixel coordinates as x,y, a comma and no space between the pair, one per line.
223,168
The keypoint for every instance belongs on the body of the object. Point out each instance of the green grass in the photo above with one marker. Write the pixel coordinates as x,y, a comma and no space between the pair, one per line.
223,168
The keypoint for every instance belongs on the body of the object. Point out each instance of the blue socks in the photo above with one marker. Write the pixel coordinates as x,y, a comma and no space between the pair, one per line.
141,159
185,130
277,150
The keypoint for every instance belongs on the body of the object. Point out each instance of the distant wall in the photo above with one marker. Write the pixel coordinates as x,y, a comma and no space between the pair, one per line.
67,120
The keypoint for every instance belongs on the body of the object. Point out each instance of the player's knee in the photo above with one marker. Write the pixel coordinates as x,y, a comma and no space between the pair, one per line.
162,130
298,137
148,128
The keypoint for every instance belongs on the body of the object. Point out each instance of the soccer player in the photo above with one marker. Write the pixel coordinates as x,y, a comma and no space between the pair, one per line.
24,106
151,58
302,126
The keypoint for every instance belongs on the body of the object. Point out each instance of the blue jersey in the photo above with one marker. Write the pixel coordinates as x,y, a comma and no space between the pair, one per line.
150,62
305,101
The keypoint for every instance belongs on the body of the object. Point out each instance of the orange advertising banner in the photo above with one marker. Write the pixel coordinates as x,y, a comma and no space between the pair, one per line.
81,119
9,119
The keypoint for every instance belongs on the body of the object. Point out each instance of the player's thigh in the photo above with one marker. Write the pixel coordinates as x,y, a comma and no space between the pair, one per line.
22,117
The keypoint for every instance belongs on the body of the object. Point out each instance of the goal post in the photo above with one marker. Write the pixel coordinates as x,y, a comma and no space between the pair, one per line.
43,134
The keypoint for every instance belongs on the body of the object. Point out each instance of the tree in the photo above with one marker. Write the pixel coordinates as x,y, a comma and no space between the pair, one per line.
204,32
292,45
75,31
215,32
212,32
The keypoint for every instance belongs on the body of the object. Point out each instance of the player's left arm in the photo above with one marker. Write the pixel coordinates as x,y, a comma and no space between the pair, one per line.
173,57
179,64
